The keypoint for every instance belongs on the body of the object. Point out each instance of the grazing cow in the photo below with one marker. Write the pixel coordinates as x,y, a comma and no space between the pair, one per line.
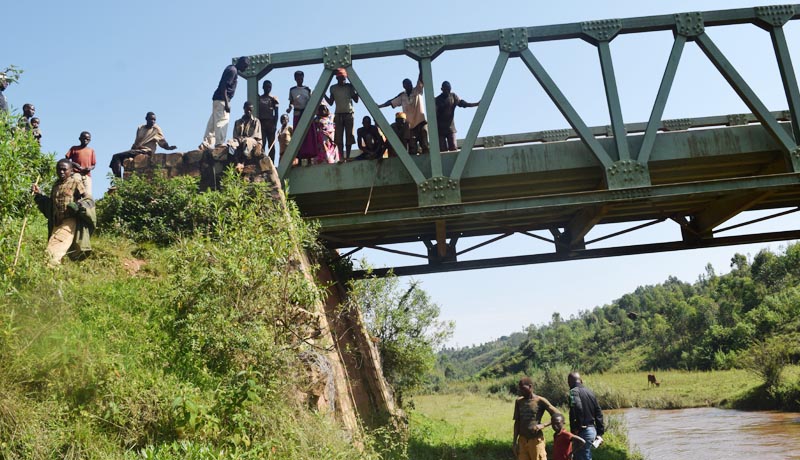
651,380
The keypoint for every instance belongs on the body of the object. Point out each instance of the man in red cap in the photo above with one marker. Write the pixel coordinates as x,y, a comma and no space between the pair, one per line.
342,94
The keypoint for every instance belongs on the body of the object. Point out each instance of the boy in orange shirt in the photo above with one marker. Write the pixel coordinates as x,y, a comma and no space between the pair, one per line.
84,159
563,439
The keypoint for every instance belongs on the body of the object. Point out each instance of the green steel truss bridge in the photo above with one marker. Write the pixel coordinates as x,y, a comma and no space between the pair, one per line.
556,185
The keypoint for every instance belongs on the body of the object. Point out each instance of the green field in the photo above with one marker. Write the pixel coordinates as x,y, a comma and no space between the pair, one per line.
471,427
678,389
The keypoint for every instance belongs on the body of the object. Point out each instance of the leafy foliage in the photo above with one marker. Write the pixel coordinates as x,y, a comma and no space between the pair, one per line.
196,355
158,210
406,325
22,162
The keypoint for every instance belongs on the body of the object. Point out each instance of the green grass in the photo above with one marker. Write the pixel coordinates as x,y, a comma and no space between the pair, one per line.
678,389
472,427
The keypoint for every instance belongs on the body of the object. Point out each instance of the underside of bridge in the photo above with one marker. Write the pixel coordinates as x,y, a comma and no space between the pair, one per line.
695,173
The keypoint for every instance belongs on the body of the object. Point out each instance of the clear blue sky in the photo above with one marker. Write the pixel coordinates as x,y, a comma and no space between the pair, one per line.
100,66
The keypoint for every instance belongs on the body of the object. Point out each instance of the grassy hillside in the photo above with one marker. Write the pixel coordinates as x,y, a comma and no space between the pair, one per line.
187,350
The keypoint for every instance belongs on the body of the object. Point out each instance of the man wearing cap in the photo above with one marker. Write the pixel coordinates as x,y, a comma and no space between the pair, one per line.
446,104
343,95
217,127
414,108
403,131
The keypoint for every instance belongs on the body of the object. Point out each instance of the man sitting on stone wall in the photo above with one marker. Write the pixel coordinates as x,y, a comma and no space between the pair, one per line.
246,141
148,136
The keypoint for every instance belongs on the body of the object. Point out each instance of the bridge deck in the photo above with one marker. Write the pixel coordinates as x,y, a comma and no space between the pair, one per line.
546,185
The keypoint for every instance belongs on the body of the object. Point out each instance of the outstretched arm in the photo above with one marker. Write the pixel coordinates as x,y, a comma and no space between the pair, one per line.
577,442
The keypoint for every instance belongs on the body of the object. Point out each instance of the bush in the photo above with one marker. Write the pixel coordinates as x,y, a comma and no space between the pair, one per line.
767,359
156,210
406,324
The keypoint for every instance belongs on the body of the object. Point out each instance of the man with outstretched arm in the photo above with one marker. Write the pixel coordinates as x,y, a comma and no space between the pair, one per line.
446,104
148,136
413,103
529,443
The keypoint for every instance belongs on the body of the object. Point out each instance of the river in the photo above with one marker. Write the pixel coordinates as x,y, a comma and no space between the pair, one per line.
713,433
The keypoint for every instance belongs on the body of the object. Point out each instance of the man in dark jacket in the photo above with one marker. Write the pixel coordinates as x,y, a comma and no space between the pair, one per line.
585,416
217,127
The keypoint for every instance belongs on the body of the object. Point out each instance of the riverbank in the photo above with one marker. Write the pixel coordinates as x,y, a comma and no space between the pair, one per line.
735,388
479,427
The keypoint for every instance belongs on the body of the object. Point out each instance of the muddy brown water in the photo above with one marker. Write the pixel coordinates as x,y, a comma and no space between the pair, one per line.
713,433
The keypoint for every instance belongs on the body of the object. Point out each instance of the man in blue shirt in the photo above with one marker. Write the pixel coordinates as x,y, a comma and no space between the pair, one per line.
217,127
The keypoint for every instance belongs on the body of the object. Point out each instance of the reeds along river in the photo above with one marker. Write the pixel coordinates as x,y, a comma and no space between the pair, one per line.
708,433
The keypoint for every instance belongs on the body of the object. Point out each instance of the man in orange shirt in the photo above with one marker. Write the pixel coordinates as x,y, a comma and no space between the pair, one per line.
84,160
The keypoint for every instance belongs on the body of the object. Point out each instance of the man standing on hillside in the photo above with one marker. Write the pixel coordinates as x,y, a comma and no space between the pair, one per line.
529,443
217,127
585,416
84,159
70,214
148,136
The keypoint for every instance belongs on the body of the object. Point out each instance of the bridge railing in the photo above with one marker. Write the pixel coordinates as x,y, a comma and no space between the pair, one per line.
513,43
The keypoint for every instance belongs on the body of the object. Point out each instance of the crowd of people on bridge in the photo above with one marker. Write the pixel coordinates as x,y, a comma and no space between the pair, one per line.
330,137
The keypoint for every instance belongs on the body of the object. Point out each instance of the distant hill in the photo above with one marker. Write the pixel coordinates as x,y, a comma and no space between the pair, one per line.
467,361
709,324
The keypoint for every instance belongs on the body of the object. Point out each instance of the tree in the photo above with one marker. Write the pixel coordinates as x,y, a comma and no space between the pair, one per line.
405,323
767,359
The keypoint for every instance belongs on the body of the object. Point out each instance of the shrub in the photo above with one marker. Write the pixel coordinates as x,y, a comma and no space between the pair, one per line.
407,326
767,359
156,210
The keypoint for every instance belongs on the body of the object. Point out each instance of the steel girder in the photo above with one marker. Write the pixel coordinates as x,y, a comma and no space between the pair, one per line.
547,180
